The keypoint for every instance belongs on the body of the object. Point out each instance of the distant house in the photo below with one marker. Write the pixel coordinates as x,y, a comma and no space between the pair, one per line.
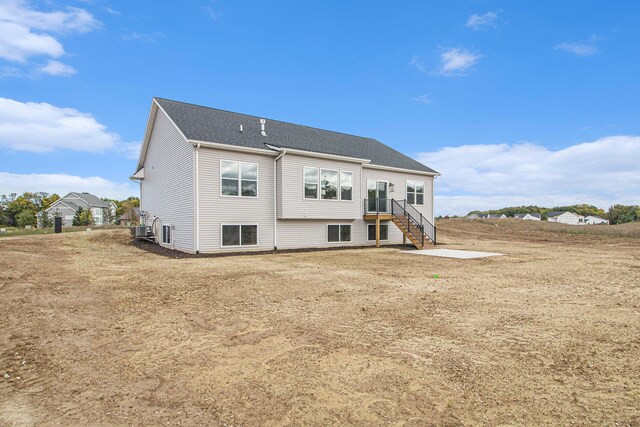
67,206
528,216
486,216
594,219
565,217
132,217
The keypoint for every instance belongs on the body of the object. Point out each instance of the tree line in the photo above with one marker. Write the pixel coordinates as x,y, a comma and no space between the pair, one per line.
28,208
617,214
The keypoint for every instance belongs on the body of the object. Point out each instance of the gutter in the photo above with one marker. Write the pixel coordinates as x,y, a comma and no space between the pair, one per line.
282,151
197,194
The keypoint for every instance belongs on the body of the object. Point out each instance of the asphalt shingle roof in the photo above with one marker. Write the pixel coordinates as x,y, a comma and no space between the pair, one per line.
212,125
92,200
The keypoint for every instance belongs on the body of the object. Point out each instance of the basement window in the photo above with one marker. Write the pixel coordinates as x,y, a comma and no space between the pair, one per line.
371,232
166,234
338,233
239,235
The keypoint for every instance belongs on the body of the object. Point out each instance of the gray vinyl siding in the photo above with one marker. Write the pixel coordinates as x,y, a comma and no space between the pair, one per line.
216,210
399,179
65,212
310,233
291,187
167,190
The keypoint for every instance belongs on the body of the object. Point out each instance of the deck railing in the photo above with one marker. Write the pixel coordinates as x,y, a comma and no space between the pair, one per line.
413,220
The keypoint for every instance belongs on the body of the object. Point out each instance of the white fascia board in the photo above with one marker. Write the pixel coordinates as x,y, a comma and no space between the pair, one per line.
228,147
138,176
325,155
411,171
155,106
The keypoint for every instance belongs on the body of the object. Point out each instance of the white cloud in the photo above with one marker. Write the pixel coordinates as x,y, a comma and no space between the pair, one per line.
131,150
143,37
456,61
578,49
42,127
423,99
600,172
64,183
57,68
478,22
415,62
26,32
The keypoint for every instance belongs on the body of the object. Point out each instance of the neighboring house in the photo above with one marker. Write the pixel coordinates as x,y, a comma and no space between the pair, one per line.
130,218
486,216
528,216
593,219
213,181
67,206
565,218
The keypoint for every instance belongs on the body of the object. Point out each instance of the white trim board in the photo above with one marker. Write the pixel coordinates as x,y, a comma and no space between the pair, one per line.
452,253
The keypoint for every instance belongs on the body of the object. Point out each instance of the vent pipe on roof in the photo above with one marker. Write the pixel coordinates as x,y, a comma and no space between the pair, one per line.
240,128
262,131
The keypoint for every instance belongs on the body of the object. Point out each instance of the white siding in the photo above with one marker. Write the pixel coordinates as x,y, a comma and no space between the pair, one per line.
291,187
399,179
216,210
167,190
568,218
309,233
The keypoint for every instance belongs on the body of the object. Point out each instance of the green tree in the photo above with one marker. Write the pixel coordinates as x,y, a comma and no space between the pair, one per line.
25,218
77,217
619,214
45,219
127,208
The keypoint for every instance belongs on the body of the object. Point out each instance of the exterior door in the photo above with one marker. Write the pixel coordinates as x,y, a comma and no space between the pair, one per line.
377,192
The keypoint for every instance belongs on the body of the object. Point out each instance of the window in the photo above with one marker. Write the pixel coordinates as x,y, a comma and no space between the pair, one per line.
415,192
346,185
97,216
239,235
166,234
310,183
338,233
329,184
384,231
238,179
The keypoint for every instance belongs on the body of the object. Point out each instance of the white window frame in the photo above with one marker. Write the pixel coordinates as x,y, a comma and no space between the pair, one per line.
340,185
339,234
240,245
381,239
337,171
94,216
318,177
162,235
415,193
257,180
304,183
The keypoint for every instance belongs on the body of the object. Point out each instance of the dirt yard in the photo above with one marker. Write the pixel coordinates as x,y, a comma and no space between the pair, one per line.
95,331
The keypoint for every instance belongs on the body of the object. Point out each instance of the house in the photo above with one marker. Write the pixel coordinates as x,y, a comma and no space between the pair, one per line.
528,216
130,218
565,217
67,206
594,219
215,181
486,216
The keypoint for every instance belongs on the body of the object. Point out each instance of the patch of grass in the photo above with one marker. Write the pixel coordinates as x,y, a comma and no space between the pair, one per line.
14,231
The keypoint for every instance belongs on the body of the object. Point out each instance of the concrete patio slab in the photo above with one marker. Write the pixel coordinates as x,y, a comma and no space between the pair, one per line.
452,253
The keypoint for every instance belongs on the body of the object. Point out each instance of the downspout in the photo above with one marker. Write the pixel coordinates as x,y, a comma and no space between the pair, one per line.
282,151
433,206
197,183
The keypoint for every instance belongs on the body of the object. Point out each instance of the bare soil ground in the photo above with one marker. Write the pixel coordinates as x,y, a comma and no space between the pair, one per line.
96,331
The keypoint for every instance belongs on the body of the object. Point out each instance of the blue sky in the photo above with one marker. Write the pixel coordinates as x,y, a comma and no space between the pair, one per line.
514,102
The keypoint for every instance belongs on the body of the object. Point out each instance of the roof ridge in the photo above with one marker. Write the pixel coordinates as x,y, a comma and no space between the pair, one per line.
266,118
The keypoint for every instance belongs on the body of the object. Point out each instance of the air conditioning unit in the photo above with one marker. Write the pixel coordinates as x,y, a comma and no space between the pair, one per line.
143,231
